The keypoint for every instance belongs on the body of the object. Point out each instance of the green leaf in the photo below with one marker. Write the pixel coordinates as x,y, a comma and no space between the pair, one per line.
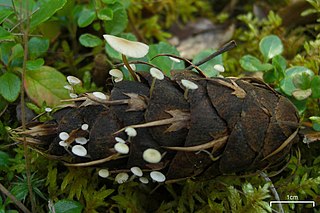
315,86
5,35
207,67
89,40
68,206
287,85
4,159
35,64
315,122
164,62
5,13
105,14
302,81
119,21
252,64
46,85
86,17
45,11
280,65
270,46
37,47
10,86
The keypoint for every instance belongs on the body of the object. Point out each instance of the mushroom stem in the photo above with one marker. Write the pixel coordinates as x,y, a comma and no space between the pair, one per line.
126,63
185,94
152,86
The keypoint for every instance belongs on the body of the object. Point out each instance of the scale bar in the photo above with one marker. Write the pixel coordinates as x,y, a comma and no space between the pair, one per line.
293,201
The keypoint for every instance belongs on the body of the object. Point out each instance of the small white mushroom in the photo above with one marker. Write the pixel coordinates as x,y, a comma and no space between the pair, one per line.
116,74
121,148
131,132
119,140
68,87
121,177
99,95
79,150
73,95
81,140
156,74
136,171
104,173
188,85
63,144
85,127
48,109
174,59
128,48
151,155
63,136
132,49
144,180
73,80
157,176
219,68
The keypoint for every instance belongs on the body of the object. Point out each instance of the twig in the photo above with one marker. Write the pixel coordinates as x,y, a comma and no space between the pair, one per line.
14,199
273,190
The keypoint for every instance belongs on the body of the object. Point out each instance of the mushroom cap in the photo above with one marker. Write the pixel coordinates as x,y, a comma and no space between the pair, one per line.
121,148
48,109
100,95
121,177
157,176
174,59
144,180
132,49
81,140
119,140
63,136
79,150
156,73
85,127
73,95
131,132
218,67
104,173
136,171
63,143
73,80
151,155
117,74
189,84
68,87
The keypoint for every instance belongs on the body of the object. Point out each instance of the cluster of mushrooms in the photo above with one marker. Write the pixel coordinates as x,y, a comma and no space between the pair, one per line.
166,129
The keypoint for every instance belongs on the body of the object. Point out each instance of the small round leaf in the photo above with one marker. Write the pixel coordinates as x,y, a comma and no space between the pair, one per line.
270,46
10,86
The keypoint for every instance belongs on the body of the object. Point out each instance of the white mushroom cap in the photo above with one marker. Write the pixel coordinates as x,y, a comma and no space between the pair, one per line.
73,80
73,95
132,49
136,171
121,177
131,132
174,59
79,150
218,67
156,73
63,143
117,74
121,148
84,127
189,84
81,140
151,155
104,173
133,67
48,109
100,95
68,87
157,176
119,140
63,136
144,180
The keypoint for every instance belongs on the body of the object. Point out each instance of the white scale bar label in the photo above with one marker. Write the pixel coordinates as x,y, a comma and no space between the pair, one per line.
294,201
